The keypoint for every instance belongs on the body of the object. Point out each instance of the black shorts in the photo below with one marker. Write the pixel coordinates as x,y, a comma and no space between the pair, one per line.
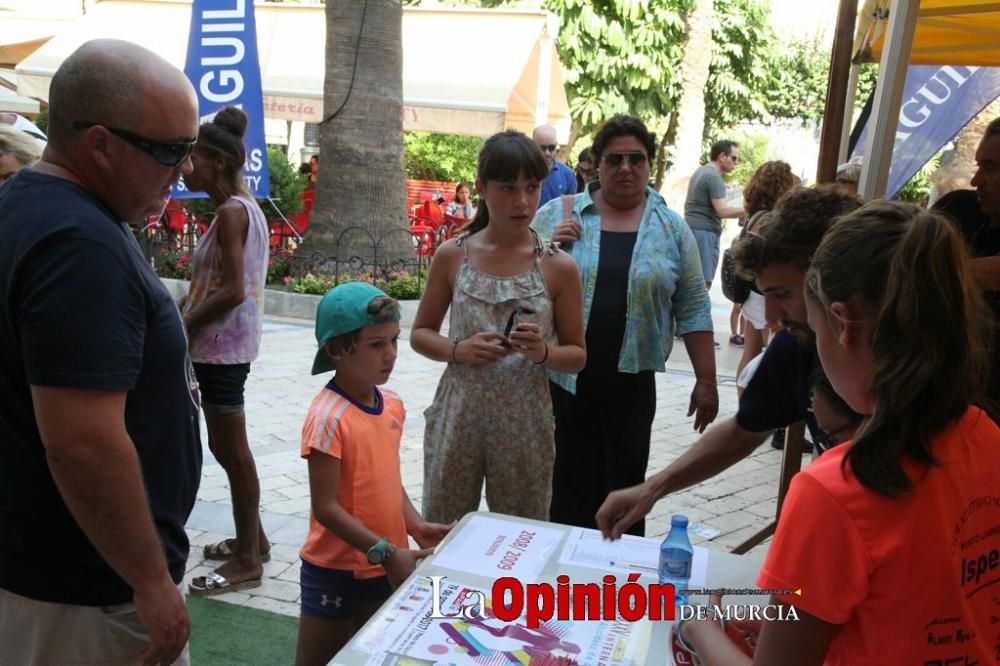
334,594
222,385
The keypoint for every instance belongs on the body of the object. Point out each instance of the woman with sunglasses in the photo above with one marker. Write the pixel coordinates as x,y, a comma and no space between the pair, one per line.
642,282
585,171
222,313
514,306
892,538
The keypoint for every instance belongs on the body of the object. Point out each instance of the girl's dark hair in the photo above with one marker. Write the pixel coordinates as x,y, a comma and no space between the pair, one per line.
224,136
503,157
908,269
621,125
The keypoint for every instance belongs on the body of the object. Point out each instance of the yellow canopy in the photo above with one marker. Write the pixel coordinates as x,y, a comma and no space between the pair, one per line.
948,32
464,71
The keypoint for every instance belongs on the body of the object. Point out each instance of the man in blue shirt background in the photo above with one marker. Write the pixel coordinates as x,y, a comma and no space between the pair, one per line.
561,178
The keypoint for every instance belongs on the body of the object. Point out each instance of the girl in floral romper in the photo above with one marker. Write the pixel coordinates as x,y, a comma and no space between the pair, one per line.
492,414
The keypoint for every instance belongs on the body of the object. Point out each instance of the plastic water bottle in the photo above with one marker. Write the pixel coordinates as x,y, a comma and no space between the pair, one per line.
676,556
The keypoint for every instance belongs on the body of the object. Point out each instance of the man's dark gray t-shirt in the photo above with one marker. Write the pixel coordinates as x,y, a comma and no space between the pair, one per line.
706,184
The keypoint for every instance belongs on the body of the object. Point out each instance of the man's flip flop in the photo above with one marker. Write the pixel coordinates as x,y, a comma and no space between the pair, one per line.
215,583
223,550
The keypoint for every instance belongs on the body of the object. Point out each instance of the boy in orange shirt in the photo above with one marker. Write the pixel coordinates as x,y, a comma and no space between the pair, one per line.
357,547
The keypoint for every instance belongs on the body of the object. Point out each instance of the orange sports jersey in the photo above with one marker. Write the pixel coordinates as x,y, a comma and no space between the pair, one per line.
366,440
913,580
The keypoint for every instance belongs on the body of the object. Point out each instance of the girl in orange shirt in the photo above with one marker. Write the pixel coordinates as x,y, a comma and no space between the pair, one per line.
893,539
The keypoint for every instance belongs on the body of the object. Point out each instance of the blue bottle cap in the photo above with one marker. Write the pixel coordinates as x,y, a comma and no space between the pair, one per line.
678,520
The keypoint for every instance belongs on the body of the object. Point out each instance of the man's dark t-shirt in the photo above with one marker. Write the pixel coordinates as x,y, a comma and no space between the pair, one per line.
81,308
983,240
778,394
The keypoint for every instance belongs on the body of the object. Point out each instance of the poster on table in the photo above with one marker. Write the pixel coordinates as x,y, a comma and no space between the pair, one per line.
223,66
409,635
497,548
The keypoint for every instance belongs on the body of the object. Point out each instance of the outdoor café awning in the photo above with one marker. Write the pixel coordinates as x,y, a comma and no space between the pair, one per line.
948,32
11,101
465,71
22,34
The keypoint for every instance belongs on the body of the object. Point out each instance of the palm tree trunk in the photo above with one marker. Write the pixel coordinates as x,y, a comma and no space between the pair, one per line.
691,110
360,208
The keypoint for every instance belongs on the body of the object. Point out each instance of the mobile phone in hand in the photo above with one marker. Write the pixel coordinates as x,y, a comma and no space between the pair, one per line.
512,322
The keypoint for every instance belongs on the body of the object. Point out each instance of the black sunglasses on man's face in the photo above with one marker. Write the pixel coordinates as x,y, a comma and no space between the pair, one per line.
167,154
614,160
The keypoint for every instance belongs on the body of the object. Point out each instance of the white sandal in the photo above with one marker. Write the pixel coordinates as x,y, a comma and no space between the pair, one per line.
215,583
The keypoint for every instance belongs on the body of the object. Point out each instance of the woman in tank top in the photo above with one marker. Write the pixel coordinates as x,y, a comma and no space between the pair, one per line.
222,313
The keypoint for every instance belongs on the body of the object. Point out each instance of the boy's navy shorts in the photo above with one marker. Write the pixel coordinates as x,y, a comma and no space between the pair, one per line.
335,594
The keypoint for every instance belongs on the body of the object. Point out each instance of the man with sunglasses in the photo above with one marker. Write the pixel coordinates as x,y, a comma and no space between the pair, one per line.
100,456
705,205
778,394
561,178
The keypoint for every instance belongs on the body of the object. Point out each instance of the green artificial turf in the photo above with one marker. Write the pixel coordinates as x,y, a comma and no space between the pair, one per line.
224,634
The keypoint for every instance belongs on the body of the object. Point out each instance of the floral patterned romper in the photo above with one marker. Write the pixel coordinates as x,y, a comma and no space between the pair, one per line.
492,421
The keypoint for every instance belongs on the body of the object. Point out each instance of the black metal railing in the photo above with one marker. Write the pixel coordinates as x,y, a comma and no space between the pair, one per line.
355,251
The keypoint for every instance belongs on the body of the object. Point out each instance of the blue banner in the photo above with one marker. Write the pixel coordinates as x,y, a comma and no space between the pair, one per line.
938,101
223,66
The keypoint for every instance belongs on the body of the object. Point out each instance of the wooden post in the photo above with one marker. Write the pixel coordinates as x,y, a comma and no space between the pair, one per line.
836,92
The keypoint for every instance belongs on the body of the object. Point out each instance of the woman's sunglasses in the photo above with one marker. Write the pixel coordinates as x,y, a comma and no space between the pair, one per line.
167,154
614,160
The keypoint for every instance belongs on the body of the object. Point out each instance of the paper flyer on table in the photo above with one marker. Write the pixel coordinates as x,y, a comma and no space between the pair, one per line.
496,548
409,635
587,548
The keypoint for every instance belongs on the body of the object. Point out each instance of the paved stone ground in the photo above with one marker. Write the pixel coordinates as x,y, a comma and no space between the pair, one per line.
736,503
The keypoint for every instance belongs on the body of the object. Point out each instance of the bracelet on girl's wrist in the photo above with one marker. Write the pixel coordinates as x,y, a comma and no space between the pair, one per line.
544,358
454,351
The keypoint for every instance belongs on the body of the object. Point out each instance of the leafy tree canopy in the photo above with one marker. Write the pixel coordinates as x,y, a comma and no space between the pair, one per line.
448,157
623,56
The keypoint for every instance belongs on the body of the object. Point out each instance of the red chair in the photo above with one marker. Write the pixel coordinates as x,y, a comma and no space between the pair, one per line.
281,232
423,239
175,219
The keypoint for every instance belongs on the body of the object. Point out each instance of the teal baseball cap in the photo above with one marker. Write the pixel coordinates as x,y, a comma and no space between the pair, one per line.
344,309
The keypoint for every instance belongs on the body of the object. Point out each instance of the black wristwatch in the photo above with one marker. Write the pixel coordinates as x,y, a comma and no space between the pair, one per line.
381,552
